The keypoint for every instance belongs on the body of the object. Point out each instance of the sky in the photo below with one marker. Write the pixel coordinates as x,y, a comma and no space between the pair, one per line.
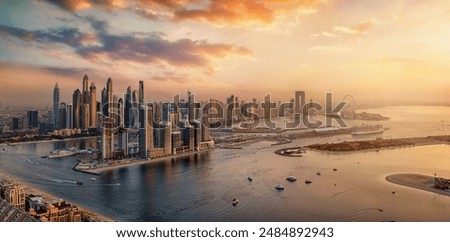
384,52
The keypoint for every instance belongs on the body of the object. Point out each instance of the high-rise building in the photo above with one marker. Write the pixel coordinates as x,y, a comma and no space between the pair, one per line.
231,106
145,130
69,116
63,115
104,103
143,112
85,112
163,137
127,109
191,107
123,140
56,119
93,106
16,123
76,103
205,126
134,120
110,96
299,101
33,121
86,89
107,138
121,110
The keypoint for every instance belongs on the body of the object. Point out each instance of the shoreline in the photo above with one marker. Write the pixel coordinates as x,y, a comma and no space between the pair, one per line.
378,144
135,162
45,141
30,189
417,181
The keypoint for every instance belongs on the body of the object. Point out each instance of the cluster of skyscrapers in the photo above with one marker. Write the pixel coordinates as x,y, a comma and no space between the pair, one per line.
160,129
81,113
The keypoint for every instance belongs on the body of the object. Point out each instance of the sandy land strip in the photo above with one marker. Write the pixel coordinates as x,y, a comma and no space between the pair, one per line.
136,162
417,181
45,141
48,197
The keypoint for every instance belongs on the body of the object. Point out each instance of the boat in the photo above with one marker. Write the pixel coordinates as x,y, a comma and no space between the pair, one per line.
3,150
308,181
234,202
291,178
250,178
318,173
93,179
44,157
60,153
80,183
279,187
334,169
367,129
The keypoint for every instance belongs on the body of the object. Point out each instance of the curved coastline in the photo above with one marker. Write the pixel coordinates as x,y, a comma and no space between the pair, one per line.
418,181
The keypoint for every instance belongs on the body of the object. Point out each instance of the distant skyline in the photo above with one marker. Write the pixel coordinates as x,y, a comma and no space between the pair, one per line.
381,52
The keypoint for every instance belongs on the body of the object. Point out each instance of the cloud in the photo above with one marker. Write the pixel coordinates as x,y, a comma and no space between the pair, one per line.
229,12
361,27
76,5
323,34
332,48
143,48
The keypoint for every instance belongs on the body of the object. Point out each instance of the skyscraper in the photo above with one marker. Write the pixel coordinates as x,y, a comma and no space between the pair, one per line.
76,102
127,109
85,106
69,117
145,124
104,103
134,120
110,96
107,138
299,101
56,119
32,116
63,115
93,105
145,130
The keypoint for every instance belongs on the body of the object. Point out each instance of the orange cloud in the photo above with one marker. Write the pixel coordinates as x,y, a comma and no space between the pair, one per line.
361,27
216,11
76,5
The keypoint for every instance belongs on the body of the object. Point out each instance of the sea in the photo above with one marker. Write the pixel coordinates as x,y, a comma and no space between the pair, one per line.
200,187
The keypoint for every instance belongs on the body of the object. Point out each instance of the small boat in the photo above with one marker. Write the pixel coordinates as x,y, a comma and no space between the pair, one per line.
334,169
250,178
93,179
318,173
279,187
80,183
44,157
308,181
234,202
291,178
3,150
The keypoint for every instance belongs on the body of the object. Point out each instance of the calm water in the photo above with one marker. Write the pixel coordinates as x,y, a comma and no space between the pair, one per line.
200,187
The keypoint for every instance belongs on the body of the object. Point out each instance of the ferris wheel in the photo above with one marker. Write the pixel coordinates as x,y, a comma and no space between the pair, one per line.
349,110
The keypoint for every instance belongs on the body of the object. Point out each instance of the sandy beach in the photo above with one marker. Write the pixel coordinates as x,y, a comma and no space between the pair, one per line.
417,181
48,197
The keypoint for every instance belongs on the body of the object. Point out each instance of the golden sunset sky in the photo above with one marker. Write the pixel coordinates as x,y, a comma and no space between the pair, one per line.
384,52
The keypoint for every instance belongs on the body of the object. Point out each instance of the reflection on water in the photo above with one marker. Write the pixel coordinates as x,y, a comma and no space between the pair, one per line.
200,187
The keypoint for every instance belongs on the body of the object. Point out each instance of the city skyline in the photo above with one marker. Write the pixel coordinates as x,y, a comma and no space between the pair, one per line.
393,50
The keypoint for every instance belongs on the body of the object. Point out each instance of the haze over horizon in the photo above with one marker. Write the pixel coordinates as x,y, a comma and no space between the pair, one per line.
381,52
